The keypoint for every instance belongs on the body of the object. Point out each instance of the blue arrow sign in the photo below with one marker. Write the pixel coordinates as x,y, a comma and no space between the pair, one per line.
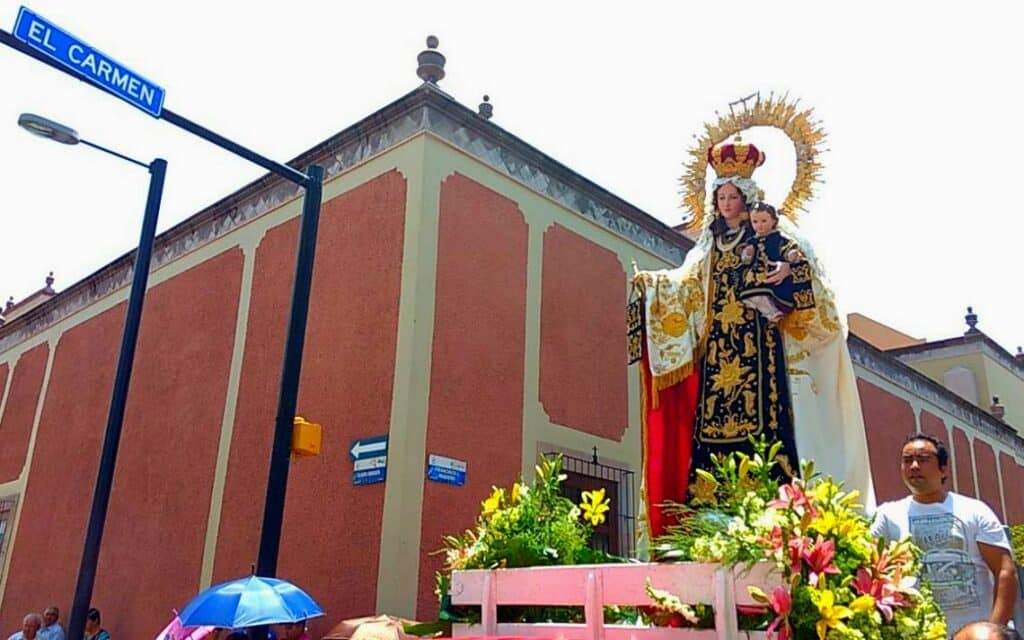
372,447
87,62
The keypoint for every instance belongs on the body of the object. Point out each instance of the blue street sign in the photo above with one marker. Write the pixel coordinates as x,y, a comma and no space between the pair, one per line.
372,447
369,476
87,62
446,470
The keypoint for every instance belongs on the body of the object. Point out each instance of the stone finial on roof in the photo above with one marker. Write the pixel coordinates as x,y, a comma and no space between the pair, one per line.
49,285
486,109
10,303
1019,356
431,62
972,322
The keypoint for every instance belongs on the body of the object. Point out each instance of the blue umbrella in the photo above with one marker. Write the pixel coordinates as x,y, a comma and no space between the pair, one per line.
250,602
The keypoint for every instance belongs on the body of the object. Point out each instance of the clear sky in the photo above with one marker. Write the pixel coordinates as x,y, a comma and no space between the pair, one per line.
918,218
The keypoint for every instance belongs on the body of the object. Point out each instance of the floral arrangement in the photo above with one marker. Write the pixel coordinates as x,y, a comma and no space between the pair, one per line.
838,582
526,526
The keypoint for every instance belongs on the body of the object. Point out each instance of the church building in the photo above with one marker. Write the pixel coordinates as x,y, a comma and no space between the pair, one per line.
468,302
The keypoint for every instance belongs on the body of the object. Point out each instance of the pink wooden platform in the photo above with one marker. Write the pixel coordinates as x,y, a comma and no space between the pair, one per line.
594,586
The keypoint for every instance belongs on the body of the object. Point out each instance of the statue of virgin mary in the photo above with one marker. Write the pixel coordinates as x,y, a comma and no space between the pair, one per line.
716,373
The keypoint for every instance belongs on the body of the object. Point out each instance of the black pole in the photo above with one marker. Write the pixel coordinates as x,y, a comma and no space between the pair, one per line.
277,478
178,120
115,417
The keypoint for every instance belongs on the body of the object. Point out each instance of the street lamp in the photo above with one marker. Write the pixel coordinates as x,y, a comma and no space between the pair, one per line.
115,418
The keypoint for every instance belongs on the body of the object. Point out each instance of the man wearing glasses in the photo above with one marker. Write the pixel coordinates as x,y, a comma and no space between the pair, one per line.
967,557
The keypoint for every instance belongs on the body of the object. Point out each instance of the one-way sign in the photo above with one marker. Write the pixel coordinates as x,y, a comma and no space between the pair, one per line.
369,460
372,447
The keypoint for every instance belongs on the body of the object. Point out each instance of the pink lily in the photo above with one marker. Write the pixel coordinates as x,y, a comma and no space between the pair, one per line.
819,558
888,595
792,496
781,604
797,548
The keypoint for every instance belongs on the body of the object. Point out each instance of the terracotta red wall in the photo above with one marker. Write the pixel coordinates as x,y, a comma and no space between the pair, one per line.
933,426
1013,493
161,495
582,315
156,522
331,537
888,420
988,476
20,412
964,464
476,377
48,547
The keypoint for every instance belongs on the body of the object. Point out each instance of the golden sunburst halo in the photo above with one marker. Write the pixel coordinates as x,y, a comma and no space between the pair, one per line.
779,112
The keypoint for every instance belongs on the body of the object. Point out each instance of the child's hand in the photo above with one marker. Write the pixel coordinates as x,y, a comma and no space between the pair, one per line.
747,254
793,256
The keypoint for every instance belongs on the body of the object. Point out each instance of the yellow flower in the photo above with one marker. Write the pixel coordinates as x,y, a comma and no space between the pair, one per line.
730,375
674,324
832,614
731,313
863,604
594,506
704,489
493,503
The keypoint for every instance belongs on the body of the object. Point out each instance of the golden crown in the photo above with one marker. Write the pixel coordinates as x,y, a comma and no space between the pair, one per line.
731,159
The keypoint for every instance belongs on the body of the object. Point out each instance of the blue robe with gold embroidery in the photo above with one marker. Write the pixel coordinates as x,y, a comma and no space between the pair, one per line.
795,292
744,386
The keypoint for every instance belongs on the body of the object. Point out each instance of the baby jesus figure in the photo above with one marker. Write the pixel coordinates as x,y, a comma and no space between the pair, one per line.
766,250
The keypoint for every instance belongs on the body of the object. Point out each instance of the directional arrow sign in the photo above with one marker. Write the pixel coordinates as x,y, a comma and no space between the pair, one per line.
372,447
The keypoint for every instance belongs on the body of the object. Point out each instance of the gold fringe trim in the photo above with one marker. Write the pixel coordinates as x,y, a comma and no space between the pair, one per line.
645,518
671,378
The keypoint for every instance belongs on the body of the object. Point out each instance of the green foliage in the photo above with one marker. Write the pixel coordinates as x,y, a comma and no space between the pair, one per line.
526,526
1017,542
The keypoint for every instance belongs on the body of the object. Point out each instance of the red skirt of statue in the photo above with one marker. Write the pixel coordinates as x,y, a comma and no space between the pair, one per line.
668,445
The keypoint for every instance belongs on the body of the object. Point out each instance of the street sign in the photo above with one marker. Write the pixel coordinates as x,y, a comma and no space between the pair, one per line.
446,470
87,62
371,447
369,476
369,460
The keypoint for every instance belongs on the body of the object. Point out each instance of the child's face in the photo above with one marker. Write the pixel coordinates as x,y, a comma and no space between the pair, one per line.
762,221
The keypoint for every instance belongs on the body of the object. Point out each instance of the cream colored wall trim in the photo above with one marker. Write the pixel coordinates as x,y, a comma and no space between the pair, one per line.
398,563
22,480
227,426
7,387
532,429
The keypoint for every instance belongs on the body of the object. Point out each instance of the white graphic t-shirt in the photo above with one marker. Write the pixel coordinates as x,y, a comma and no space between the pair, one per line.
949,532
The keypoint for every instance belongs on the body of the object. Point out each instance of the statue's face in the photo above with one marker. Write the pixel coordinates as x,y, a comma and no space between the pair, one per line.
729,201
762,221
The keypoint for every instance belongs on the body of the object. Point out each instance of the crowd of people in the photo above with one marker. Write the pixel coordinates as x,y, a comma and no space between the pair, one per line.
47,627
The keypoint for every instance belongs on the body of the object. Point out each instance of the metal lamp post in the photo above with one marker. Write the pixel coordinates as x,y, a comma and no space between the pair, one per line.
35,41
105,476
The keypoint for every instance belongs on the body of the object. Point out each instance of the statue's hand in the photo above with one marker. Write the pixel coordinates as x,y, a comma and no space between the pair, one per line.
781,272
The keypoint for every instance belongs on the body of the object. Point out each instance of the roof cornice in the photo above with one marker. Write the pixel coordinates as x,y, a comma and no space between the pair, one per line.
425,109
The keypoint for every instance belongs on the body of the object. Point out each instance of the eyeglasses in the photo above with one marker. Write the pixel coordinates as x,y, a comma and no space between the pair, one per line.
919,459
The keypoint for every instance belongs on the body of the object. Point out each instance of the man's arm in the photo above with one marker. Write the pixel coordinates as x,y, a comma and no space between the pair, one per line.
1004,577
